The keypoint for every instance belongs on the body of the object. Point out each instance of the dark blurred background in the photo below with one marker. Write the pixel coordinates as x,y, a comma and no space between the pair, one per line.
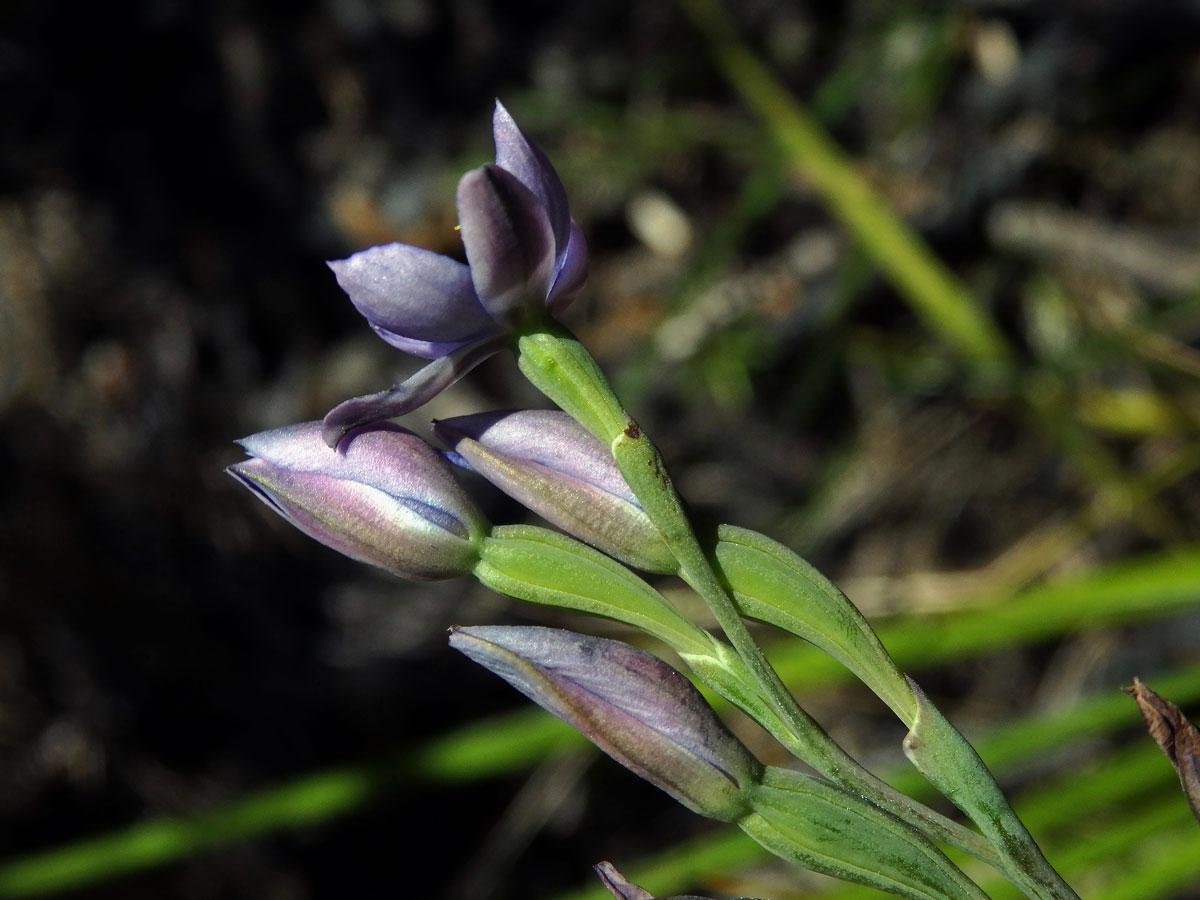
172,177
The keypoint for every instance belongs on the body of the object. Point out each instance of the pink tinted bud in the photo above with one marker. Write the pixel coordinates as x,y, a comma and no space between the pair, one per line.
630,704
550,463
383,497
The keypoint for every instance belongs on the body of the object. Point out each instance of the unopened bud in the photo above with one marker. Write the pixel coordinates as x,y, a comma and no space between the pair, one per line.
383,497
630,704
550,463
624,889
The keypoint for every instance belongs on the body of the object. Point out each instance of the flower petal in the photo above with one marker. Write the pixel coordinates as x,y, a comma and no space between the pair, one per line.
415,391
508,240
572,271
430,349
618,885
517,154
416,299
549,437
295,447
385,457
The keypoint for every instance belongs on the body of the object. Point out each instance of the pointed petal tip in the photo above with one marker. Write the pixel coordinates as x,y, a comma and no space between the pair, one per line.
504,126
333,430
341,420
618,885
446,431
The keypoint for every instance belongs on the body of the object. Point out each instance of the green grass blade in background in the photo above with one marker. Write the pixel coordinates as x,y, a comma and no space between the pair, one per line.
940,300
475,751
1132,590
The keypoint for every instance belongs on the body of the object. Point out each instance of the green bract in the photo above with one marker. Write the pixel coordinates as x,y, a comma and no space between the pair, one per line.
823,828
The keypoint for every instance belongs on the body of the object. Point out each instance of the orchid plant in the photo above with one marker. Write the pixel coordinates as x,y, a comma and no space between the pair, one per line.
382,495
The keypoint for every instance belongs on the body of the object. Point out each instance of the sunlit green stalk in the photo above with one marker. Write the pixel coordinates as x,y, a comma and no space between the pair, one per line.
939,299
561,367
545,567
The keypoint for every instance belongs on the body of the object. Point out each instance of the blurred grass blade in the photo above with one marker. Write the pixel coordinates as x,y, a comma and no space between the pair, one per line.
473,752
940,300
1148,587
1163,865
311,799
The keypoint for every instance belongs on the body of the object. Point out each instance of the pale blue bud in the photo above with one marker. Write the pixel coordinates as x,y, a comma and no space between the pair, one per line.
383,497
630,704
550,463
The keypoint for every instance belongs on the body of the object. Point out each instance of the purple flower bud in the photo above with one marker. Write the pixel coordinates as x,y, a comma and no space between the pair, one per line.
618,885
550,463
624,889
525,254
383,497
631,705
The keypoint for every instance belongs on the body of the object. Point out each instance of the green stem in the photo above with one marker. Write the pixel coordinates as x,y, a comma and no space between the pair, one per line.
644,470
561,367
545,567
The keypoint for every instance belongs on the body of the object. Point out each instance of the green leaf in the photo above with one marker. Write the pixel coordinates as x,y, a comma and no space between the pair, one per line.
549,568
819,826
951,764
774,585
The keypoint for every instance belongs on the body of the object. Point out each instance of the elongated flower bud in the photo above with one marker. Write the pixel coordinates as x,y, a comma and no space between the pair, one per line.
624,889
383,497
631,705
550,463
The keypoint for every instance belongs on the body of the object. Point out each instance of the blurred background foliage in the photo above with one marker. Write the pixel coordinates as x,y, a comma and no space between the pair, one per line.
913,286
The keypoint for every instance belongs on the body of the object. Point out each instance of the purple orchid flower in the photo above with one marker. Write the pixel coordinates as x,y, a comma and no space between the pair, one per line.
385,497
525,255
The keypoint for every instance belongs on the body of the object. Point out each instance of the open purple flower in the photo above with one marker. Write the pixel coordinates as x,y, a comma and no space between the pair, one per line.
385,497
525,255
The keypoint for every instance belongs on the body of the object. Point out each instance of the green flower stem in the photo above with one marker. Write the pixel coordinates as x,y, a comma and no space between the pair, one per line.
772,584
944,756
644,470
561,367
